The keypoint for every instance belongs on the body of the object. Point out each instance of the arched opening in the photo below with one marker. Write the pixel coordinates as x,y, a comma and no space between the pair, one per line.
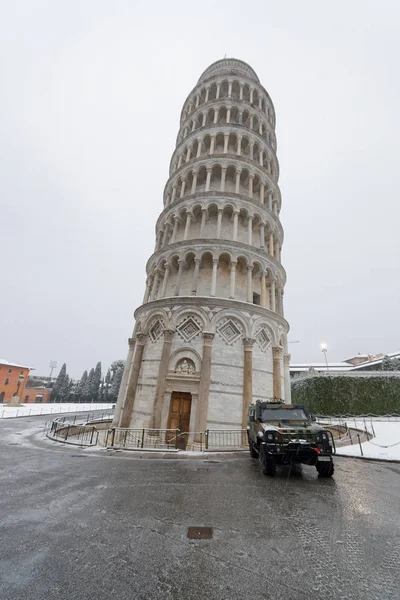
215,184
234,115
213,91
222,115
204,282
201,179
224,89
236,90
223,276
230,179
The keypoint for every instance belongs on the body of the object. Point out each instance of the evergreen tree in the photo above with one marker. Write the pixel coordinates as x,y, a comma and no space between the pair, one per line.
63,393
101,391
87,387
115,384
390,364
80,386
107,383
59,383
95,383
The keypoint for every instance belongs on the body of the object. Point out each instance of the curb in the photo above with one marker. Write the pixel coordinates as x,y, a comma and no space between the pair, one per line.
371,459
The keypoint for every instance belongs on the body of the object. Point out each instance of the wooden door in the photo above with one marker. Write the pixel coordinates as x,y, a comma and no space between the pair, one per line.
179,415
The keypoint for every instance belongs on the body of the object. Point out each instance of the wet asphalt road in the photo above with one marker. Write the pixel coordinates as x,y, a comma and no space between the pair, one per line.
80,525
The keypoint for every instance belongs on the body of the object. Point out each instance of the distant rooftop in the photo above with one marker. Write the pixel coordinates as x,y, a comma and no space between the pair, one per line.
7,363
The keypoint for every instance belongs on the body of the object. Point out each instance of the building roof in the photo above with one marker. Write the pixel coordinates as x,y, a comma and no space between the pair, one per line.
341,366
7,363
229,65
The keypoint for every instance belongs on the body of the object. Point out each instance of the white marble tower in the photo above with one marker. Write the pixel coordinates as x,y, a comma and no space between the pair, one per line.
210,336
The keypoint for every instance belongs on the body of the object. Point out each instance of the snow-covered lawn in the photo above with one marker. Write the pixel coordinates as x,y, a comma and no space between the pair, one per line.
385,445
25,410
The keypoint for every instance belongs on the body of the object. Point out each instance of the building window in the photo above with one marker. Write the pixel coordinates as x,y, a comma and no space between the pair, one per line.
6,381
39,398
256,299
10,370
21,372
26,398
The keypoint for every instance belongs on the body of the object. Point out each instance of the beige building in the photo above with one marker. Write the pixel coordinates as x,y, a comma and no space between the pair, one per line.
210,336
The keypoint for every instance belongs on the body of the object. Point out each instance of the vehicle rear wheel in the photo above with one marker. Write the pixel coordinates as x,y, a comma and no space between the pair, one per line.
325,469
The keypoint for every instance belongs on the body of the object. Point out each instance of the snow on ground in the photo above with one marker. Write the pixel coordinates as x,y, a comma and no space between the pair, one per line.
26,410
385,445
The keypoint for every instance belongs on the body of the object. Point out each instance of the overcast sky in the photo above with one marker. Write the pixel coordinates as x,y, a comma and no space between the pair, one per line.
90,97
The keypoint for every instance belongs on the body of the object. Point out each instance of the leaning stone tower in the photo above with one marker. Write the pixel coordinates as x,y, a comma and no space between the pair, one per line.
210,336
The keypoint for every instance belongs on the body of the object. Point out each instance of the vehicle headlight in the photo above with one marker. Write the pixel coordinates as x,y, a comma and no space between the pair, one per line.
270,437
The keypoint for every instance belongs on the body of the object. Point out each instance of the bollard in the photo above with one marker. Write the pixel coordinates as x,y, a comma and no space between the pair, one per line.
113,436
373,430
142,438
359,441
17,412
91,437
206,439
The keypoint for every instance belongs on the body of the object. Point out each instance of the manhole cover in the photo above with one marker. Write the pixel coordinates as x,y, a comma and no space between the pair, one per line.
199,533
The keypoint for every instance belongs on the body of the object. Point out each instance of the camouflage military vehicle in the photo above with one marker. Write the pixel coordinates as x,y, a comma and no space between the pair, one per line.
284,434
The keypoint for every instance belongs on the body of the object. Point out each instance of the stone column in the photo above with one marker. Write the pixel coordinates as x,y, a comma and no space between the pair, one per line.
276,250
261,158
175,230
179,277
219,223
262,193
207,94
228,116
262,236
155,286
148,289
189,150
218,90
229,89
250,230
271,244
208,180
212,144
273,297
223,176
187,227
270,201
183,185
251,179
233,280
158,239
277,359
165,281
235,224
198,149
194,183
127,408
204,385
214,277
165,236
251,150
263,290
286,378
250,284
279,300
239,145
173,194
162,379
226,142
247,378
241,91
124,382
195,276
216,116
267,298
203,221
237,184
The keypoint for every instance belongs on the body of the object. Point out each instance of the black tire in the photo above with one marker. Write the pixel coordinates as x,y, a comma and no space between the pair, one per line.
325,469
268,464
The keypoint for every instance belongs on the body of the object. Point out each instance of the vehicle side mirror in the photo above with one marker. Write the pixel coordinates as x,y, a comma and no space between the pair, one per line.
313,418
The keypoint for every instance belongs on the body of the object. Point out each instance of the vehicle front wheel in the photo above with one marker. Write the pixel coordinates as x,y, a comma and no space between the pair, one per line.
268,464
325,469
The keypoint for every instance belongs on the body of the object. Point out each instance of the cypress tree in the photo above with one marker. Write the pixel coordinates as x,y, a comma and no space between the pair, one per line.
59,383
80,387
107,383
87,387
95,383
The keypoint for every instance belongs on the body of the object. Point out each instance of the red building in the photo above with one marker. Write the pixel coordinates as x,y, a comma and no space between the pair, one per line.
13,379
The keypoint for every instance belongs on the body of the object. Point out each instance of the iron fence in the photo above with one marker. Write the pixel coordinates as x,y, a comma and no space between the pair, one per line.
63,429
174,439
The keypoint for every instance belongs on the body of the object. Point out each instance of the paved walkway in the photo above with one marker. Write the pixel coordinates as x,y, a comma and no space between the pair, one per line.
86,524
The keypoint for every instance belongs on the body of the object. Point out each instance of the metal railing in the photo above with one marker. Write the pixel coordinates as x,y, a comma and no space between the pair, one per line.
64,429
174,439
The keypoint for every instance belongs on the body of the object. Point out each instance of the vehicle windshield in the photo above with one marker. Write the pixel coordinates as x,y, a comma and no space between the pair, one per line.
283,414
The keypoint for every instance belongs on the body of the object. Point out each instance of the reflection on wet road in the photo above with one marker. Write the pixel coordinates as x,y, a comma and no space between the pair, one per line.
80,525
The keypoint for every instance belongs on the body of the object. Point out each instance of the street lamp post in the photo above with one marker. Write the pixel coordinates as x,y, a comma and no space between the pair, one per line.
324,349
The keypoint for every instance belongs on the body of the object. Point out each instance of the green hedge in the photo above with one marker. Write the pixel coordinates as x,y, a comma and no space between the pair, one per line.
339,394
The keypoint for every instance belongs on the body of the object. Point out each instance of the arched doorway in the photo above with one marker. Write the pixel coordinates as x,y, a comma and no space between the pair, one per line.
2,397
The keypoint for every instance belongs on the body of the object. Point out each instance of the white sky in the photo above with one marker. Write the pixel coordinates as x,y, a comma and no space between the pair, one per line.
90,97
